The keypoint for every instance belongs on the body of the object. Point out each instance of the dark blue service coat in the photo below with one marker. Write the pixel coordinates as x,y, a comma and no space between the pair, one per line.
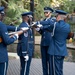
4,41
58,42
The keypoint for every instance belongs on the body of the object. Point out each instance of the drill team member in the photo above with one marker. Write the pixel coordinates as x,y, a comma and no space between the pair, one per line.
45,41
4,41
25,45
30,44
57,49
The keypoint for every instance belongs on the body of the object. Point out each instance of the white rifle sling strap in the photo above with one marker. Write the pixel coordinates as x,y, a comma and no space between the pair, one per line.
52,34
15,29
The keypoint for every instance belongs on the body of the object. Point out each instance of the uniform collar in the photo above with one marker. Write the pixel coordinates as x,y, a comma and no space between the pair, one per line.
61,21
48,18
26,23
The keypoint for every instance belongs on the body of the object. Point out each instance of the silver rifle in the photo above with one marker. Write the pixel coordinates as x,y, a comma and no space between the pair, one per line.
24,29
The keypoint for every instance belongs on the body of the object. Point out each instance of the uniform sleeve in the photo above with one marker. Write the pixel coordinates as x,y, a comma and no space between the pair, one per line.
4,35
45,22
47,25
12,28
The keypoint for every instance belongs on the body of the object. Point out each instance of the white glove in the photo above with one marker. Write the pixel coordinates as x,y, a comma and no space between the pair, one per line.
37,29
39,25
16,35
34,23
26,58
24,28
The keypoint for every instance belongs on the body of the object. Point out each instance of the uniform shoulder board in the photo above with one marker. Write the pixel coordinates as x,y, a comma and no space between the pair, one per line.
52,34
53,18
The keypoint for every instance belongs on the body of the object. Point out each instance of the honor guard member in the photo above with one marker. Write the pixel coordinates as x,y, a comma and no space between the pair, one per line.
5,40
25,46
45,41
30,44
57,49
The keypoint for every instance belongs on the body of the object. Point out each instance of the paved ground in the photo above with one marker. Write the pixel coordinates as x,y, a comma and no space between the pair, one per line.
36,68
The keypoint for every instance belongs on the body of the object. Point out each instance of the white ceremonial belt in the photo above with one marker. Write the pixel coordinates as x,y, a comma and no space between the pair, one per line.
24,52
30,41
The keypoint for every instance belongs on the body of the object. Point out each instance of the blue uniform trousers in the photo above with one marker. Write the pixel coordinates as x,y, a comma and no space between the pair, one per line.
45,60
56,64
23,65
3,68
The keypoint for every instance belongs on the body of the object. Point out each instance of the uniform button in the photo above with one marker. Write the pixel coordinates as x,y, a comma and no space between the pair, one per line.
31,36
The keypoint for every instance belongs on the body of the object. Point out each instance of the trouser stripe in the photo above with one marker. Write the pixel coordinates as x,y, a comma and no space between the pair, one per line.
25,67
4,68
53,66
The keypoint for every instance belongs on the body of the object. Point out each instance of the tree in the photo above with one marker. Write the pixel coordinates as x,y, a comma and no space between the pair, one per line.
16,7
39,8
67,5
14,10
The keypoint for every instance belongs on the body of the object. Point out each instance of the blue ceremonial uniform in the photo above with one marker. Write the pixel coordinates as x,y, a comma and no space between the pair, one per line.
25,46
4,41
57,49
65,29
46,36
23,40
30,49
45,42
30,44
22,48
12,28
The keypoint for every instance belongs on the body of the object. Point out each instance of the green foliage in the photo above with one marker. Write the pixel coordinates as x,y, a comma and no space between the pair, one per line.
14,10
16,7
67,5
39,8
